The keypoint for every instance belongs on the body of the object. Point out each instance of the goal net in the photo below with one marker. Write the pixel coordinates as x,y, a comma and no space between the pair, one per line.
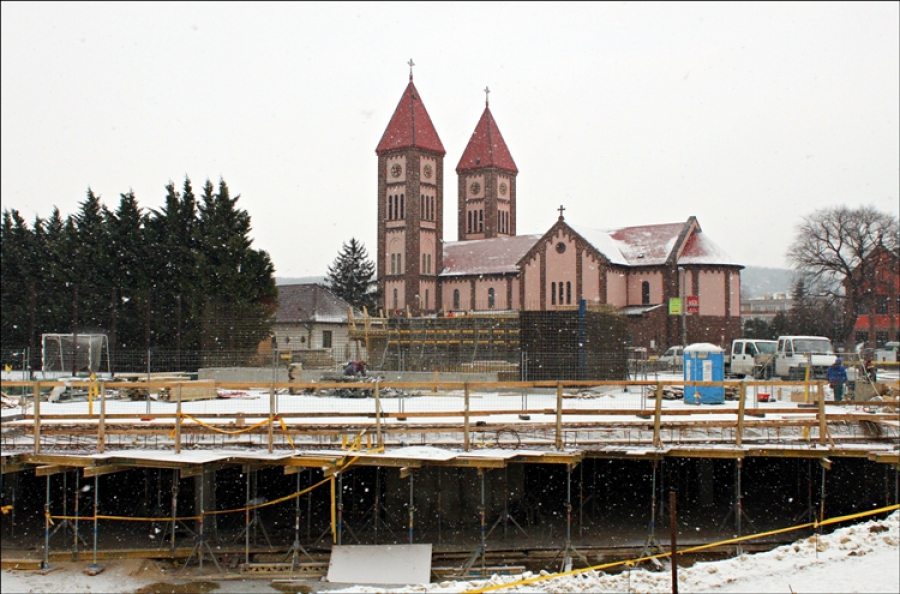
74,352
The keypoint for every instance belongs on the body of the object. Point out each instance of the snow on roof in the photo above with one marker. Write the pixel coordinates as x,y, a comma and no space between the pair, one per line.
410,126
603,243
499,255
647,245
486,148
651,245
700,249
310,303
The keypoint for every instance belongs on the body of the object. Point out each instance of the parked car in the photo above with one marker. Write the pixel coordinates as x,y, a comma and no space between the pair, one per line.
672,358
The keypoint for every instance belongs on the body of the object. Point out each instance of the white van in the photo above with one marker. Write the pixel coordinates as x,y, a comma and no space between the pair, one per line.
795,353
751,356
672,358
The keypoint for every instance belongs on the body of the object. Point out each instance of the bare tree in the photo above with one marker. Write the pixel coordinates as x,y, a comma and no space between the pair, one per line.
832,250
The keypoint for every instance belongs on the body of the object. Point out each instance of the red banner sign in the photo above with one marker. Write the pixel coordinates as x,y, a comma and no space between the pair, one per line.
693,304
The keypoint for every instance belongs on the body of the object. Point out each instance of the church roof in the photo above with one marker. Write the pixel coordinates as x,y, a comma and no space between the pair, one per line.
486,148
498,255
653,245
700,249
410,126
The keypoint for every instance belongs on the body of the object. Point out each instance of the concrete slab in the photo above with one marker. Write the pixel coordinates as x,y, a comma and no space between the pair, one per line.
380,564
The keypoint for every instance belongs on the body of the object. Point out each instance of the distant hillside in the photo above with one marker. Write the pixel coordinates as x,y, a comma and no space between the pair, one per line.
757,281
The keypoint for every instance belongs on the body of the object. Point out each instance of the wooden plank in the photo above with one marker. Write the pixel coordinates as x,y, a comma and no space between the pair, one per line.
885,457
677,452
50,470
312,461
470,463
57,460
14,467
104,469
199,469
23,564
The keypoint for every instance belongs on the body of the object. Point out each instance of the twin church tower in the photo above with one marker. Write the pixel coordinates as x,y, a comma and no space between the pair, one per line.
411,200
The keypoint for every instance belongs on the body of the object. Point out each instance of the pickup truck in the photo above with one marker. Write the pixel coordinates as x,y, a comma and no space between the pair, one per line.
751,356
795,353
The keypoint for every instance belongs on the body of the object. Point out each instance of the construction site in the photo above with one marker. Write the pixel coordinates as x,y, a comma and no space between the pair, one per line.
490,444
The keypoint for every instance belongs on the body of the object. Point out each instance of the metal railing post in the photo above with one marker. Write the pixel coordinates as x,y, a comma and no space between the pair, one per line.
559,400
101,425
466,443
657,416
271,418
37,417
378,440
178,425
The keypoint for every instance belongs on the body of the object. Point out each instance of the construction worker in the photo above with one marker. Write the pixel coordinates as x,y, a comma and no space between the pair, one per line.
837,377
870,370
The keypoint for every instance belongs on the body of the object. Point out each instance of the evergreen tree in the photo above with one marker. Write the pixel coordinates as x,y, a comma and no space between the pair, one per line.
132,276
350,276
238,282
91,264
16,241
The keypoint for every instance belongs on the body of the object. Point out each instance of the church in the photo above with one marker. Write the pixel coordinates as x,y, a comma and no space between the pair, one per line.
491,268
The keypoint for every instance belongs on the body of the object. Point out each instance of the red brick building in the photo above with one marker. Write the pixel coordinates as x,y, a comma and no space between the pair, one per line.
879,281
491,268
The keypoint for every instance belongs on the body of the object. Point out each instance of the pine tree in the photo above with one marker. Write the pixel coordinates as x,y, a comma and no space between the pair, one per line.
350,276
132,274
238,282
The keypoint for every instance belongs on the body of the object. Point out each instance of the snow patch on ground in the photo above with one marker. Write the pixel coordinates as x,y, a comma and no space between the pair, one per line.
861,558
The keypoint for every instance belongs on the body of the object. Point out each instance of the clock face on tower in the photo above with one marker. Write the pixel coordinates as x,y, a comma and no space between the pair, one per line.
396,170
503,189
428,171
475,187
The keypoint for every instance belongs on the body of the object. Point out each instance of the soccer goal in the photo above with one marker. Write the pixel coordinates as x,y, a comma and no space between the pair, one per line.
74,353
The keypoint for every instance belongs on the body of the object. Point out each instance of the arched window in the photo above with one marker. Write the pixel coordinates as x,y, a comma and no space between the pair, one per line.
552,293
560,293
491,298
393,263
455,298
481,221
402,207
426,299
568,292
469,222
390,208
645,293
424,264
396,306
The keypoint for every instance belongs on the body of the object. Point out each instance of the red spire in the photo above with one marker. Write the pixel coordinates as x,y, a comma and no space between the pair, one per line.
486,148
410,126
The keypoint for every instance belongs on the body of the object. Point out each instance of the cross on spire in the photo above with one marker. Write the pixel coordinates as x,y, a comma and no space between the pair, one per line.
411,64
487,92
561,209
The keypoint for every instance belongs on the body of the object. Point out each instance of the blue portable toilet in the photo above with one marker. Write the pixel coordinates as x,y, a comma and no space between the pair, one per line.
704,362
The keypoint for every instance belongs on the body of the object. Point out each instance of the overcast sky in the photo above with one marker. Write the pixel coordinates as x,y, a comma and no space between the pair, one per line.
747,116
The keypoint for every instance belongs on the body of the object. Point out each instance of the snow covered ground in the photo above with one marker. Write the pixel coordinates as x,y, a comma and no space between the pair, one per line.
861,558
